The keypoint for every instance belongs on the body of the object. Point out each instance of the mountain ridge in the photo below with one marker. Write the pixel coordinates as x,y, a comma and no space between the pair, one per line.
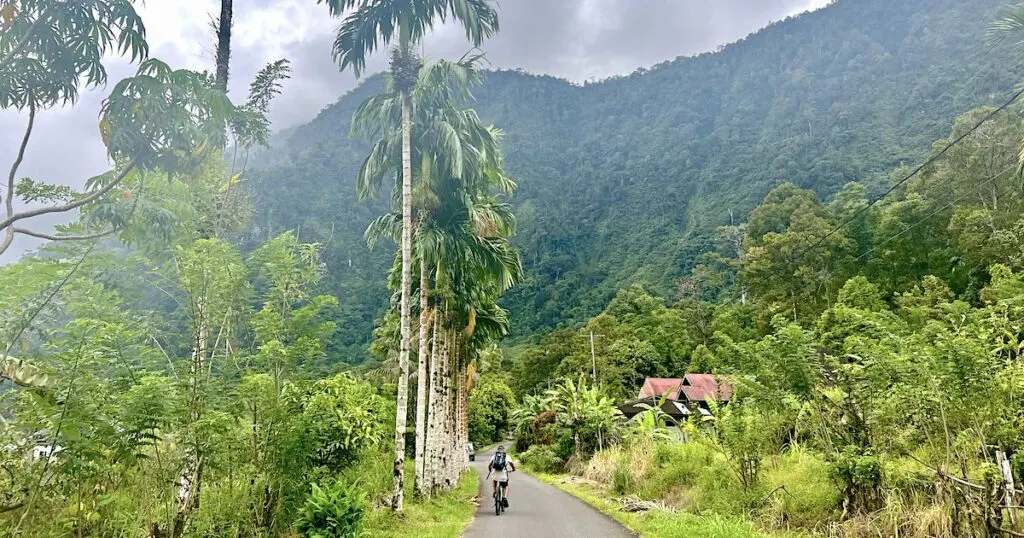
622,181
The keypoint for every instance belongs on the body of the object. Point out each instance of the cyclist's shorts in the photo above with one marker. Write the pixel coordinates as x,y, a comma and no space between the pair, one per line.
503,484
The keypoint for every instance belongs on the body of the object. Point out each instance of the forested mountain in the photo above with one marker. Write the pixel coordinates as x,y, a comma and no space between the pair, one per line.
621,181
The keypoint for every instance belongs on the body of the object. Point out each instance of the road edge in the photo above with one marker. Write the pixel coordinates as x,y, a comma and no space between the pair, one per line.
603,506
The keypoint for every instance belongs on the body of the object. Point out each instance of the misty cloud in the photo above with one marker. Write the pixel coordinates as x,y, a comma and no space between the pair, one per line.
573,39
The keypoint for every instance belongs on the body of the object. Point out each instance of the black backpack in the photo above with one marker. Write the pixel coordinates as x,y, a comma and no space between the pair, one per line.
499,462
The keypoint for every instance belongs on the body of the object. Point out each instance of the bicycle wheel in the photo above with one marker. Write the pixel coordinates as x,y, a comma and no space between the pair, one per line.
497,503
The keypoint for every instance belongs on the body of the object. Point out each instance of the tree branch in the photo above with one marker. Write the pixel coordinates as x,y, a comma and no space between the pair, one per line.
23,42
948,476
1011,533
85,237
9,195
11,507
71,205
51,237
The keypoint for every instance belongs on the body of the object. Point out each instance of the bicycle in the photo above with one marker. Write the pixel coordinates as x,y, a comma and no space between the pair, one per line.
499,496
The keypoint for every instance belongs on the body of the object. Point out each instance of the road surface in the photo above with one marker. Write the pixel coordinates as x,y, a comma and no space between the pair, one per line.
537,510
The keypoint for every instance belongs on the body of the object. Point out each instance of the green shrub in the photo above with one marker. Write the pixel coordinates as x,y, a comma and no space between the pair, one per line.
679,465
336,512
859,476
342,416
543,459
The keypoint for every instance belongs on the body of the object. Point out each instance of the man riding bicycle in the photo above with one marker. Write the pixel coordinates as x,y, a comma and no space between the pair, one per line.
499,467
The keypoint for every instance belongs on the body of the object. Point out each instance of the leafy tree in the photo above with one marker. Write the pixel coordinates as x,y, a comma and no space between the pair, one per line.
791,258
491,404
461,224
536,367
743,434
153,120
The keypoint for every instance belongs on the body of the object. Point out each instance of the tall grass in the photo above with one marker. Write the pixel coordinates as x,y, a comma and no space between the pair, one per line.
794,494
695,478
441,516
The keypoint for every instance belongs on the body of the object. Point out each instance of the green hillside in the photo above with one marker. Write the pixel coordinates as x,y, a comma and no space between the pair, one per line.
621,180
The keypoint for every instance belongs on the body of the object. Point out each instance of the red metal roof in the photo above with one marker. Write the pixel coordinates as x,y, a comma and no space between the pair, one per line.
700,387
656,387
692,388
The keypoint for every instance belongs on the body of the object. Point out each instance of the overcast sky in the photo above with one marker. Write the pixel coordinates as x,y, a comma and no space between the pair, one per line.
573,39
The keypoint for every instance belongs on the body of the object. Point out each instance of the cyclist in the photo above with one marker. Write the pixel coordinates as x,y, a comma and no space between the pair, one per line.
499,467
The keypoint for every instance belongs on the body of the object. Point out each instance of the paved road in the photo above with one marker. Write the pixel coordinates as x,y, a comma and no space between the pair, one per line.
537,510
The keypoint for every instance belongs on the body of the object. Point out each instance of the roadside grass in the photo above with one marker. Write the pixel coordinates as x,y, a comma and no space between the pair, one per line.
660,524
443,516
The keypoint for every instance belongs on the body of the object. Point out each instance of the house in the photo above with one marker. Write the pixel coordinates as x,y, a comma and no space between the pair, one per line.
656,387
677,410
683,396
697,389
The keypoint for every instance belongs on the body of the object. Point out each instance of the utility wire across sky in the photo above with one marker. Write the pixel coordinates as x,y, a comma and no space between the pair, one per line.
914,173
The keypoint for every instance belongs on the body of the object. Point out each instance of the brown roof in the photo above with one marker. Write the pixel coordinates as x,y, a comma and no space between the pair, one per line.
700,387
656,387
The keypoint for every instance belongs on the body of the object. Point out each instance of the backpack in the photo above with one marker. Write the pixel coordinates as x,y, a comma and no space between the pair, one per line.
498,464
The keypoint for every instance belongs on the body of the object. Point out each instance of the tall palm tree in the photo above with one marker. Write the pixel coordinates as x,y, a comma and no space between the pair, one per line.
379,23
472,265
452,149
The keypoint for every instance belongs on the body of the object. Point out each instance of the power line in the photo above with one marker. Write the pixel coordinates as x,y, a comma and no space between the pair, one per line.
916,171
936,212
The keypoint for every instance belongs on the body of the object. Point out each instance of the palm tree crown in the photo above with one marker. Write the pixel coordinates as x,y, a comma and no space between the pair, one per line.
377,23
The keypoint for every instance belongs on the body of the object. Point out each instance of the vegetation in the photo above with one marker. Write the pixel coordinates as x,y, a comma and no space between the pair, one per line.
178,363
159,380
660,523
441,516
873,348
337,512
490,406
625,181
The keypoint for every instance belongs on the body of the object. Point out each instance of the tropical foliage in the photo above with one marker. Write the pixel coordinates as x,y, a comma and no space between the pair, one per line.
177,362
878,369
625,181
161,381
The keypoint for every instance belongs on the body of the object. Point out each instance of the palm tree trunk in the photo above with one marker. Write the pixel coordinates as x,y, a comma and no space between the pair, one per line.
441,438
224,43
433,405
448,425
464,416
401,416
460,441
421,381
443,422
460,445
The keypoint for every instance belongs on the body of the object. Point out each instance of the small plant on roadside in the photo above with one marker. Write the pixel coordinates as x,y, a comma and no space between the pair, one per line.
338,511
